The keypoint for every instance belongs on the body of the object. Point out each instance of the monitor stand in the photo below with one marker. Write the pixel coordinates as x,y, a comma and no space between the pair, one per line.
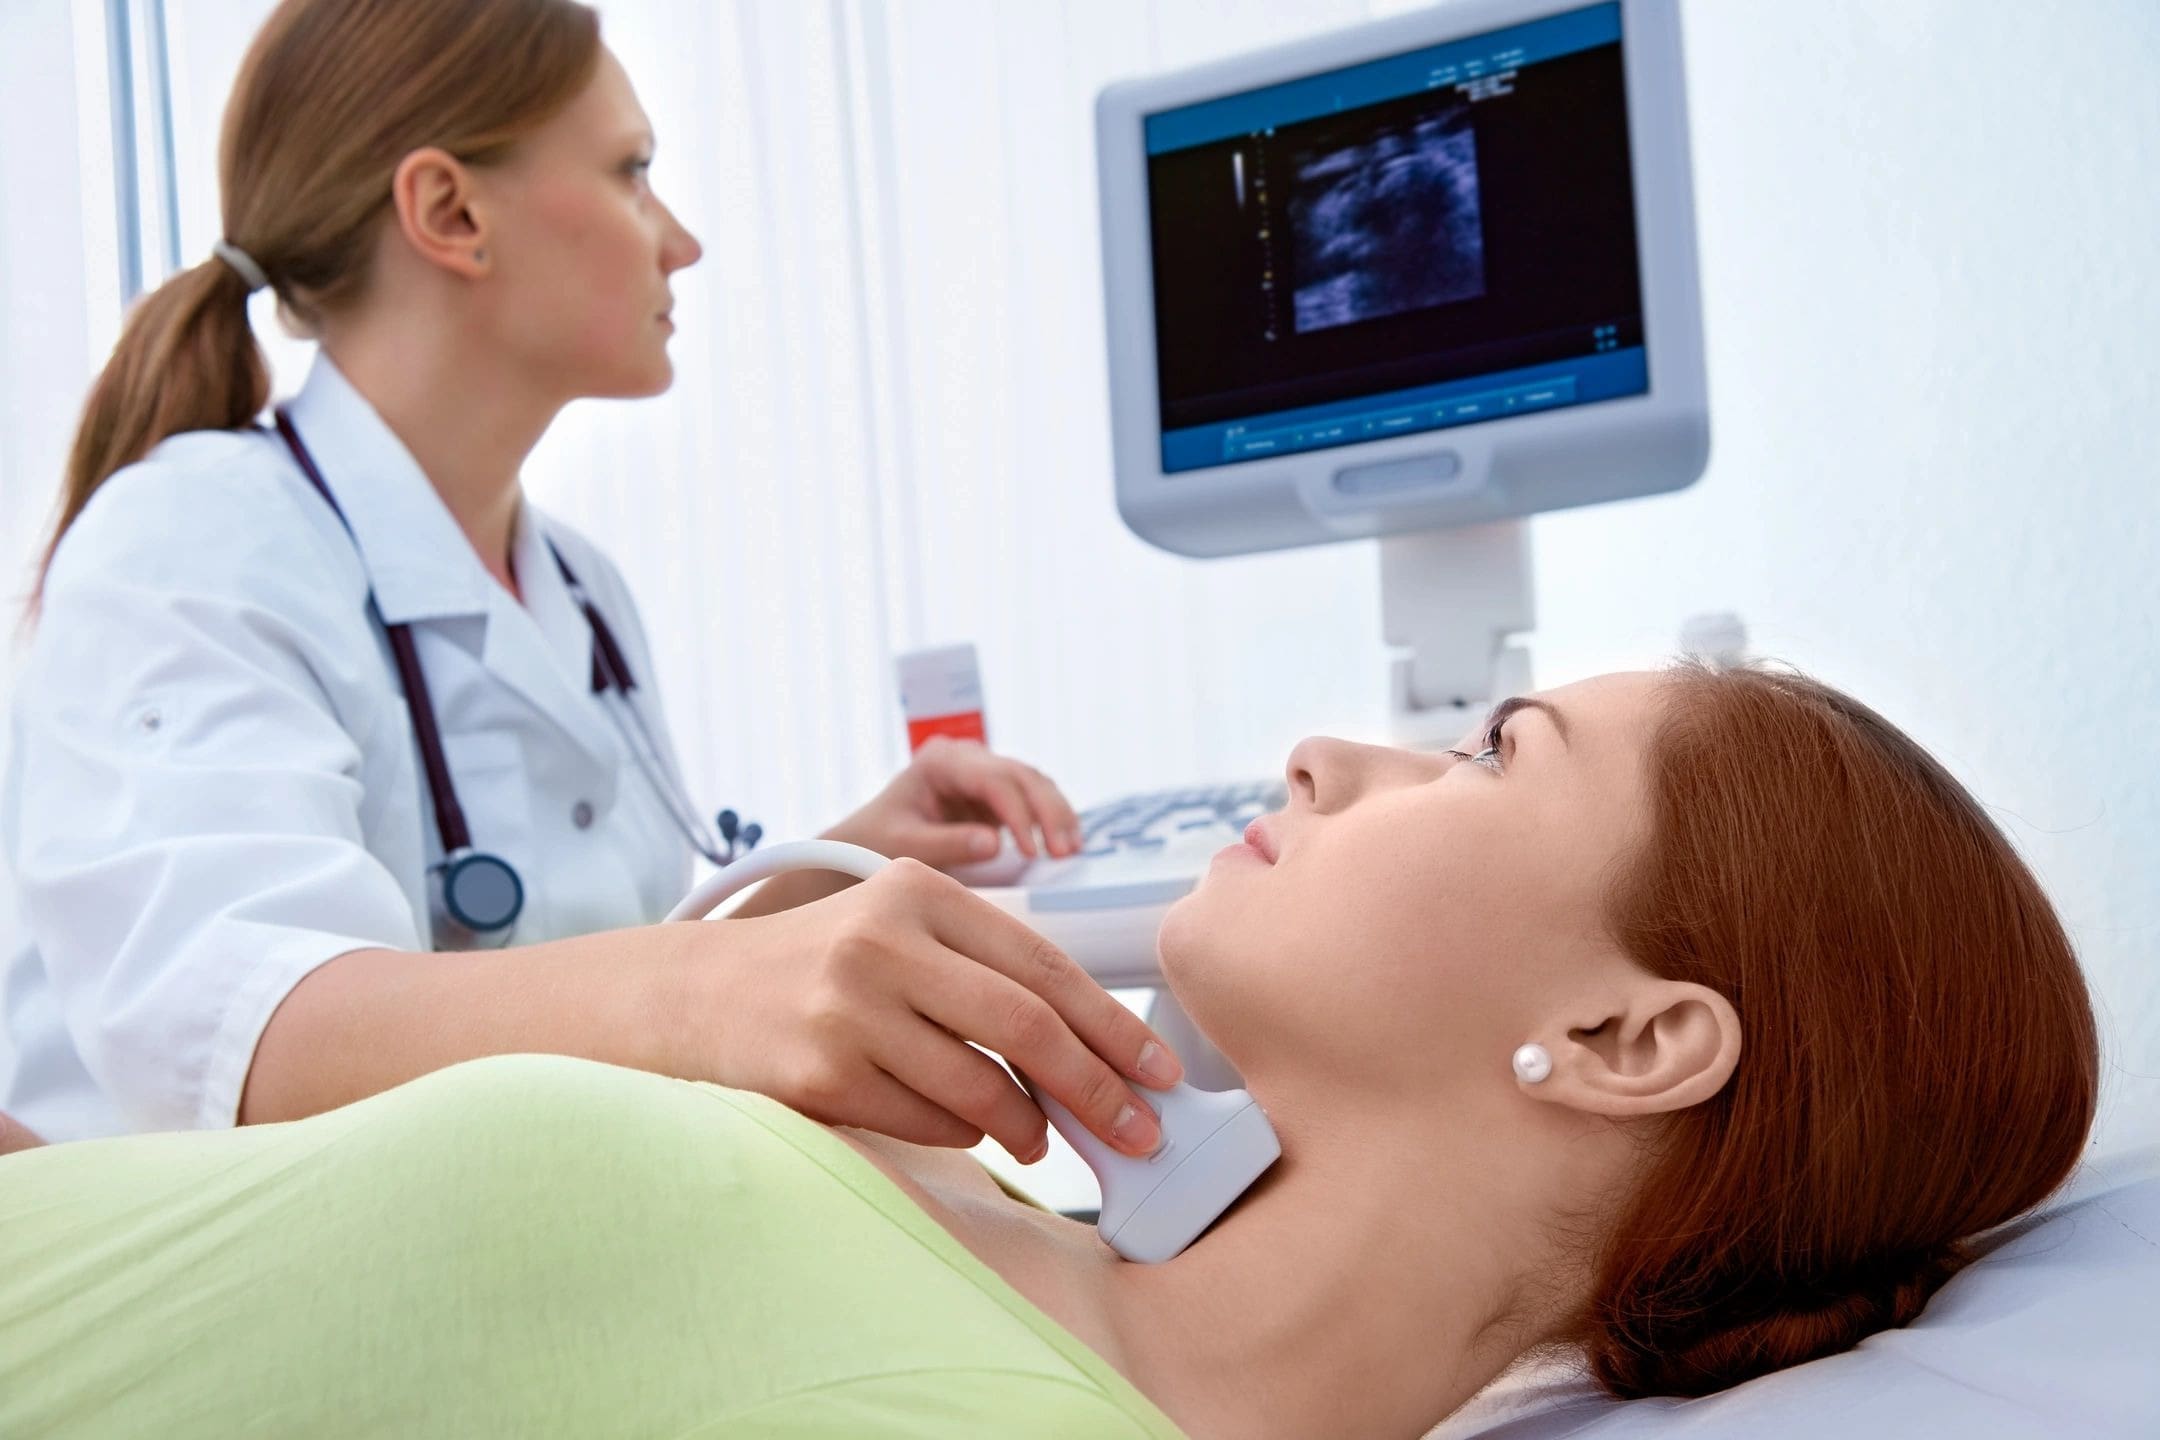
1454,601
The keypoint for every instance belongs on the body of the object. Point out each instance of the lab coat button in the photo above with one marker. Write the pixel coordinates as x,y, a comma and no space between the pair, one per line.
581,814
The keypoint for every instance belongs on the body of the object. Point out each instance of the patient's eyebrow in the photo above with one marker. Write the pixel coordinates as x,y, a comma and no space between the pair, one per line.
1515,703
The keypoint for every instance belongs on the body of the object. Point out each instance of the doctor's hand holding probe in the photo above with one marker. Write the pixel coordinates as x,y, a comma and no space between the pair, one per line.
310,702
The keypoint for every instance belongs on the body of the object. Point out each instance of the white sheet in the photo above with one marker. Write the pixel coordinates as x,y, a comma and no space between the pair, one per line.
2054,1332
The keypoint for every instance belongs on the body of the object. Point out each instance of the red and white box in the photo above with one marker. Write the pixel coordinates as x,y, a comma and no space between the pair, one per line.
941,694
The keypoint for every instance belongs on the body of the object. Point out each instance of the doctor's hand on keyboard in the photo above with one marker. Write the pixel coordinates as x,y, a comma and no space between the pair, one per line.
1143,849
958,799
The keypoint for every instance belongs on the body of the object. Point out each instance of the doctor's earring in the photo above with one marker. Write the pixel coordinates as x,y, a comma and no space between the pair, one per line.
1532,1063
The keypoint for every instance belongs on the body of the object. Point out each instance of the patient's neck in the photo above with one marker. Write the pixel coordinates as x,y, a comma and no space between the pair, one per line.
1381,1274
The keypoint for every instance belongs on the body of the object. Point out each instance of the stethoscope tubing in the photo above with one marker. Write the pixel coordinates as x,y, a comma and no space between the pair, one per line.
611,671
715,890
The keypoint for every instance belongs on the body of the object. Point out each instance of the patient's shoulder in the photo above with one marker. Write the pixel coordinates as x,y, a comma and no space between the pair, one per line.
922,1171
209,511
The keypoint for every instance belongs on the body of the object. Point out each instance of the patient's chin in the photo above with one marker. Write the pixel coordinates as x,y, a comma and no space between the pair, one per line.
1209,982
1184,930
1181,953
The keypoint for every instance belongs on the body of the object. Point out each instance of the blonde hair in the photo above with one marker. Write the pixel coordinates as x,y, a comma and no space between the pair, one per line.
332,96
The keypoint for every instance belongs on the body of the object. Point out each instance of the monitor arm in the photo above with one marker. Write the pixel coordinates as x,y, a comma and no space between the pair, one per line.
1454,600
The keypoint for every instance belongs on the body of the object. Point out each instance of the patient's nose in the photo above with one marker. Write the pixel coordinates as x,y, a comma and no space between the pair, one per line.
1327,774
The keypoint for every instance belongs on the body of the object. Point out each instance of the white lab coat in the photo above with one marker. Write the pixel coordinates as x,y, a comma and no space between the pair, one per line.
214,785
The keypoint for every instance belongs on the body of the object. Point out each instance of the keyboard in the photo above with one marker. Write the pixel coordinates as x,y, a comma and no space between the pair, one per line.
1139,856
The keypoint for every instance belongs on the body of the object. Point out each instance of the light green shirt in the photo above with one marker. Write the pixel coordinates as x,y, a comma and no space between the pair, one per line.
526,1245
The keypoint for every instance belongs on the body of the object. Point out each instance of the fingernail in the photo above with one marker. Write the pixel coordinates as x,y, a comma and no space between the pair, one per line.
1135,1129
1158,1065
1042,1148
1073,838
984,844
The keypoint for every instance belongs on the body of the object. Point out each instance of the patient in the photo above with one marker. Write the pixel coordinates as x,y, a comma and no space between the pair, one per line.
1810,1023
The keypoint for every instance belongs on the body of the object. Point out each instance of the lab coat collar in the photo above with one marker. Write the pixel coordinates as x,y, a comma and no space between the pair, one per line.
423,568
419,562
554,610
545,653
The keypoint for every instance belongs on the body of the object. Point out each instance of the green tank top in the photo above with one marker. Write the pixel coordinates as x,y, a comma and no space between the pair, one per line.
526,1245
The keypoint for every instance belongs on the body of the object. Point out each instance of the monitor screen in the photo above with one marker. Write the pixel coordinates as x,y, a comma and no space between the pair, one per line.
1436,238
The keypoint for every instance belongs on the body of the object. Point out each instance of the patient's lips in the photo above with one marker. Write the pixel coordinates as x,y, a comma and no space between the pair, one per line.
1256,845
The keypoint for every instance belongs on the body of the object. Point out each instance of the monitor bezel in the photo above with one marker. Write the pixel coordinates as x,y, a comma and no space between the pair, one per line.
1583,454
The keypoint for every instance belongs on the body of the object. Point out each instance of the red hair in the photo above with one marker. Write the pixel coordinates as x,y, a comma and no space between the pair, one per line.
1919,1059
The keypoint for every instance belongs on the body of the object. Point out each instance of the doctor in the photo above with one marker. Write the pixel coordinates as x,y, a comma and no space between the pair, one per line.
308,705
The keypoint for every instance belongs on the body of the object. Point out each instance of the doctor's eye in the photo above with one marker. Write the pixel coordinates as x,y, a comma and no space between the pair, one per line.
637,167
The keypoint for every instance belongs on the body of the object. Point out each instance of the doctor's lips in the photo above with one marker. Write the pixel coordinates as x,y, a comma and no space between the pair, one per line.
1257,836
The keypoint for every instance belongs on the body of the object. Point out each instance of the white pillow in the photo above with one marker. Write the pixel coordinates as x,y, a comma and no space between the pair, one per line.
2054,1331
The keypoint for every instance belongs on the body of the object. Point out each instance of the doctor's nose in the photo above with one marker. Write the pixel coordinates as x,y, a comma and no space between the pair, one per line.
679,249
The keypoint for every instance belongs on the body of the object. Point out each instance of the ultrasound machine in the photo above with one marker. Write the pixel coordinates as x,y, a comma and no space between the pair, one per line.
1407,283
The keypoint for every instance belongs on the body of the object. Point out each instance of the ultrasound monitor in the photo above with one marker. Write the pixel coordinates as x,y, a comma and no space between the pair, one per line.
1429,272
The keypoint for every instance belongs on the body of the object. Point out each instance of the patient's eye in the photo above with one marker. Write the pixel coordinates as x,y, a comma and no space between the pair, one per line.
1495,741
1489,757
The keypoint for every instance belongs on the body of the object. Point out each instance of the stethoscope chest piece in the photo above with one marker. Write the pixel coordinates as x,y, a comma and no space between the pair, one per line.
481,891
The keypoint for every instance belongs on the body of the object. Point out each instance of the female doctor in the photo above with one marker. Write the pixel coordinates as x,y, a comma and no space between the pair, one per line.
310,703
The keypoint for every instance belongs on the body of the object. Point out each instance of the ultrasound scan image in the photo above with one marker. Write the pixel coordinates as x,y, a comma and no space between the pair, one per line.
1388,223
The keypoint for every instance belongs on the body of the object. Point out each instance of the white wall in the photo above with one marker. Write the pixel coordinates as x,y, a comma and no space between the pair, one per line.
1931,271
52,266
46,277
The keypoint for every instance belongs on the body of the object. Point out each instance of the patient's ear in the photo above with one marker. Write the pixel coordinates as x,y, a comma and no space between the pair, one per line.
1647,1049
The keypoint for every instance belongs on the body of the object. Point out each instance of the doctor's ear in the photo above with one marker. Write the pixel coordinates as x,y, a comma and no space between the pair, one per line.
1655,1047
434,195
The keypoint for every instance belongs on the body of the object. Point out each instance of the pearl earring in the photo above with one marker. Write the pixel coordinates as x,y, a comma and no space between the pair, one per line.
1532,1063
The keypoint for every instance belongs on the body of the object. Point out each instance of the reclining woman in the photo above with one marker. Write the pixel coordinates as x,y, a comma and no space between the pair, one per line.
1810,1023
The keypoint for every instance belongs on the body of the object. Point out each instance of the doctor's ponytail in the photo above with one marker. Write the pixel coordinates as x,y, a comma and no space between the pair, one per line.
332,96
186,361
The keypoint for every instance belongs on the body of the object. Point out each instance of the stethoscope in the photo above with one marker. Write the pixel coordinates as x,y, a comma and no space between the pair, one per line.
481,891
